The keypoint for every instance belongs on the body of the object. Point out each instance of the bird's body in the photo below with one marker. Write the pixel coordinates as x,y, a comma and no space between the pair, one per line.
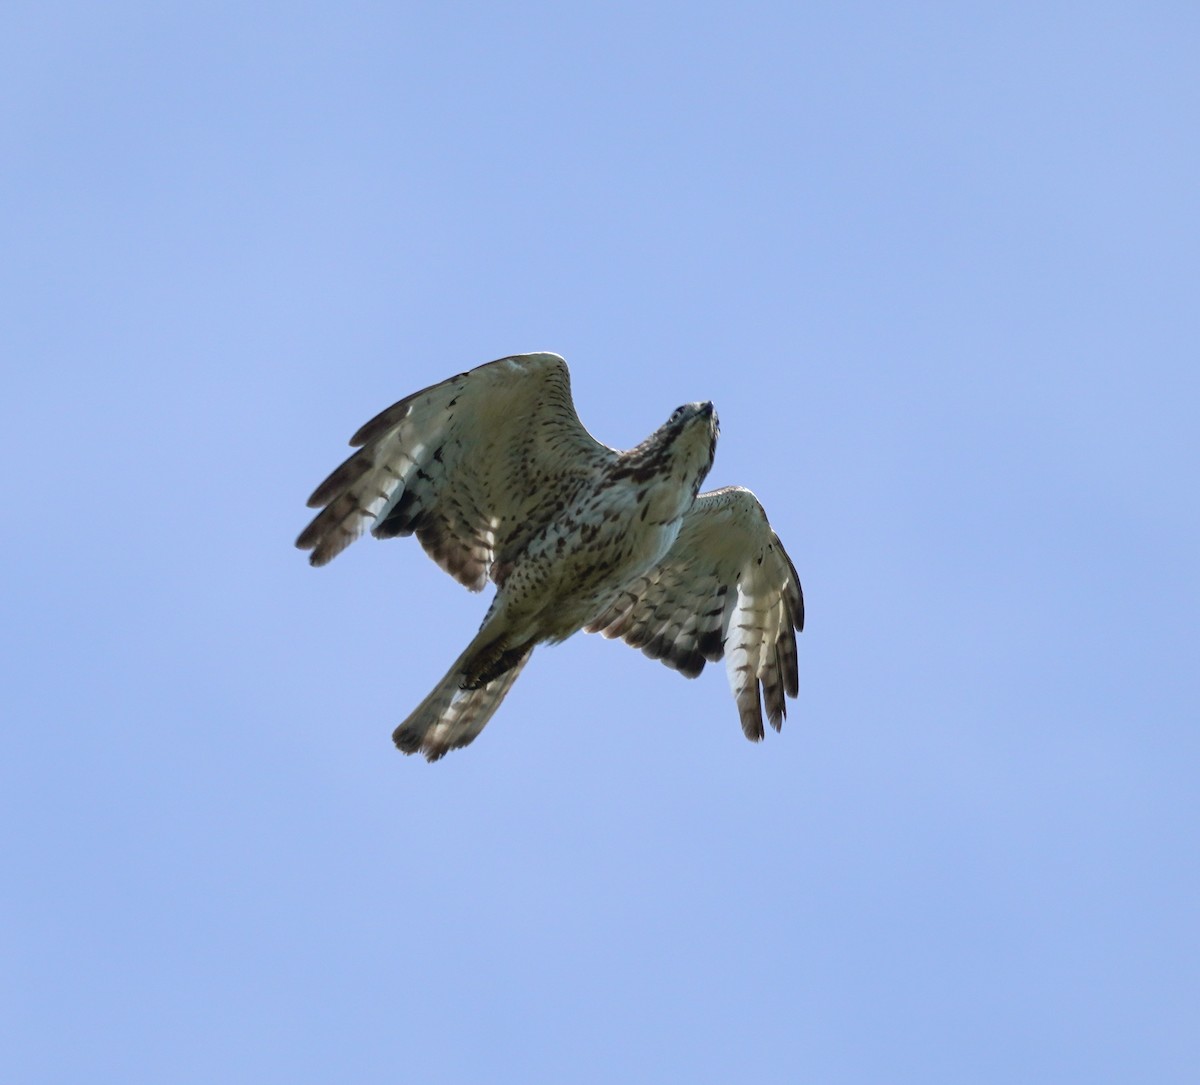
498,479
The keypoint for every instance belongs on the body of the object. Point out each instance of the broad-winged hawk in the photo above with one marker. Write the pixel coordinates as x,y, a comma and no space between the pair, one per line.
496,476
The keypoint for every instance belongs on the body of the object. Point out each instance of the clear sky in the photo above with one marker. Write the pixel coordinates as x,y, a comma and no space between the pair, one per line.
936,265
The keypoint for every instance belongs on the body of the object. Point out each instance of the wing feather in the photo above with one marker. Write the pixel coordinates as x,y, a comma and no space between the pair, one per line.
726,589
465,465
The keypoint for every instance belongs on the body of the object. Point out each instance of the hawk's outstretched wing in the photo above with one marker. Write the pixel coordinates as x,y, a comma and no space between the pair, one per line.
726,588
472,466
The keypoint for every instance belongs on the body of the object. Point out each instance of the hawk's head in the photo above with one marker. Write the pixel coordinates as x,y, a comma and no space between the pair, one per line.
674,460
690,435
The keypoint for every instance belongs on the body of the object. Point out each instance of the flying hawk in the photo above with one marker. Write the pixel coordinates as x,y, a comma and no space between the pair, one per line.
496,476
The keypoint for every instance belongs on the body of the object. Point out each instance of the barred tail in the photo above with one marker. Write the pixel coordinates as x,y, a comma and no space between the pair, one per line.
452,715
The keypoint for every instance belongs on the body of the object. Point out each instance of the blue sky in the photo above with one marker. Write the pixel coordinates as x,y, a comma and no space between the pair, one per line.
935,264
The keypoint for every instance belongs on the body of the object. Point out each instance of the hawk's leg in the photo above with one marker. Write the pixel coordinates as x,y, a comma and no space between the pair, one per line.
491,662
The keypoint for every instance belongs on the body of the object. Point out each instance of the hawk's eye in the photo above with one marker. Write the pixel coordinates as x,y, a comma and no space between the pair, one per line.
677,413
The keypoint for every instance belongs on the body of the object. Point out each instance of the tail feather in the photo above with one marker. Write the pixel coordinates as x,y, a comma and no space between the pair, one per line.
451,716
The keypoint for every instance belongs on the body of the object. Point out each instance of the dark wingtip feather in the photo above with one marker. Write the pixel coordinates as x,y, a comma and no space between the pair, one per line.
776,708
789,664
387,419
307,539
340,479
750,710
793,593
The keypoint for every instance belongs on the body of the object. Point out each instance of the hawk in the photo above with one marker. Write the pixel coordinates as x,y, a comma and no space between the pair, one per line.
498,479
